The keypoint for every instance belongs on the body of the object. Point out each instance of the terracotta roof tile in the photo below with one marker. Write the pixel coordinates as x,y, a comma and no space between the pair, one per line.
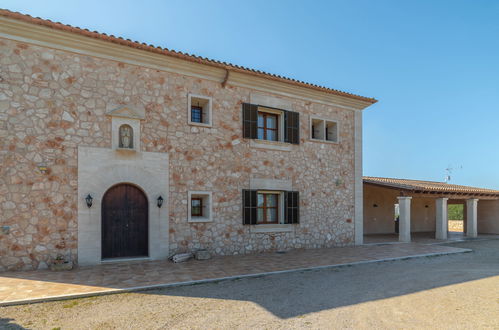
427,186
177,54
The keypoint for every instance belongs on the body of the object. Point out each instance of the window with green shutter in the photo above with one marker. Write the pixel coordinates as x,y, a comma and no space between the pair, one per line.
265,123
270,207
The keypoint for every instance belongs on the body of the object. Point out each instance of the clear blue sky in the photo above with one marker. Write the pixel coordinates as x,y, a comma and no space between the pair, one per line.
433,65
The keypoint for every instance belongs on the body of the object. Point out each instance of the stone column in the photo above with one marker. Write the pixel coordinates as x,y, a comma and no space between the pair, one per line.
405,219
442,220
471,217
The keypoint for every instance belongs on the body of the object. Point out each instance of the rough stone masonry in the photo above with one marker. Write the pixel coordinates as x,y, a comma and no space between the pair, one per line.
53,101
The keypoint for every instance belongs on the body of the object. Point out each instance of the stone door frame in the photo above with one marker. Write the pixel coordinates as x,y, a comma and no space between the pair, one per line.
101,168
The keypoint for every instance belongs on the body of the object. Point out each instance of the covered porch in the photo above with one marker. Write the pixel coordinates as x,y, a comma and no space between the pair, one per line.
413,210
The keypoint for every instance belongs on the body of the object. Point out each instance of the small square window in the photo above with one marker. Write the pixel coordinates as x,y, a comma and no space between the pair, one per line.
317,129
196,114
323,130
199,206
199,110
332,131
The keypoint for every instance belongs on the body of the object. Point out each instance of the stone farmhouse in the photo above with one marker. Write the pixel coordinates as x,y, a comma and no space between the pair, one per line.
112,149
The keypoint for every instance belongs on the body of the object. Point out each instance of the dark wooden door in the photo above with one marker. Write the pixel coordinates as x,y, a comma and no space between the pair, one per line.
124,222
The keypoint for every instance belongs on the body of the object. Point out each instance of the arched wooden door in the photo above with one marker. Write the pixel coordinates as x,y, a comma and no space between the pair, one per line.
124,222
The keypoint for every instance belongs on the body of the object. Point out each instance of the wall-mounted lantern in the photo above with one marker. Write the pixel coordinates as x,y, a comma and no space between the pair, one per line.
160,201
89,199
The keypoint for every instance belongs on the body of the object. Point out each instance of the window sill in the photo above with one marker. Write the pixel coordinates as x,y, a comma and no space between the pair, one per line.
199,219
272,145
126,149
324,141
199,124
277,228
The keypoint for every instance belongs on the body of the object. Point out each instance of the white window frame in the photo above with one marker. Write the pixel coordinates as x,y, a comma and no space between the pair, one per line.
324,124
207,204
208,103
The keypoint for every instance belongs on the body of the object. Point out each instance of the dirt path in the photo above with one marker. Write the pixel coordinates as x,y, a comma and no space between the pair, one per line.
459,291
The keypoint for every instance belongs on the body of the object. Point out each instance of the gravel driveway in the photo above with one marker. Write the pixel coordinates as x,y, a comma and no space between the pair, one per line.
457,291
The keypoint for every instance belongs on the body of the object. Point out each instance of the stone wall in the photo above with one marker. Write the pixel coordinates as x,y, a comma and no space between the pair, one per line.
53,101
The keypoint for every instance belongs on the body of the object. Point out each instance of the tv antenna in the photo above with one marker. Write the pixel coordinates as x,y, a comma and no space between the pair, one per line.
448,172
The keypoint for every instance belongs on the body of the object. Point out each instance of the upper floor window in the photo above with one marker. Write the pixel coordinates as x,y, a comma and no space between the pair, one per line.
323,130
126,137
199,110
270,124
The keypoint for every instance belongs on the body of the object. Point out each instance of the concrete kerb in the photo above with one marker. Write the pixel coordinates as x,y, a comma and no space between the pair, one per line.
219,279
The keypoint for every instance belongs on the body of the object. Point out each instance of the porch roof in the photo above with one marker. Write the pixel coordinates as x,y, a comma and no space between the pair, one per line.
430,187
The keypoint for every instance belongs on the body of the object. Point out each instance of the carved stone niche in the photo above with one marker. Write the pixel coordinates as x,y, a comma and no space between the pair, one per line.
125,127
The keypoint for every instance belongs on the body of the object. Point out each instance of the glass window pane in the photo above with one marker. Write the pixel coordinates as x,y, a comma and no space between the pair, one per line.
260,134
271,135
196,114
259,217
271,200
260,120
272,215
260,199
196,203
271,121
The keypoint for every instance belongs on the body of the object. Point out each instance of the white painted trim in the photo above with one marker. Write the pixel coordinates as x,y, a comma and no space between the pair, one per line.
209,207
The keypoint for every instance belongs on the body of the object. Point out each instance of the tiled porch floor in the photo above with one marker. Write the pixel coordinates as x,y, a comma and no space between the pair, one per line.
18,287
424,238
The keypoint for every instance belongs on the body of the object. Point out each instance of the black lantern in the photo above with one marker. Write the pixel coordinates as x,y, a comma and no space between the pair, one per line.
160,201
89,200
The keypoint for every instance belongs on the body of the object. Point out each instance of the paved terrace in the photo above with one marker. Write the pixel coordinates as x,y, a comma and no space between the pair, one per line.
34,286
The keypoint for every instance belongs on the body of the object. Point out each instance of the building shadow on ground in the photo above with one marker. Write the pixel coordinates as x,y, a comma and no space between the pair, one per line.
8,324
293,294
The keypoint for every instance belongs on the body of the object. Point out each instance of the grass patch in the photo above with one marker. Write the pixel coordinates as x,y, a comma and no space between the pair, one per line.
70,304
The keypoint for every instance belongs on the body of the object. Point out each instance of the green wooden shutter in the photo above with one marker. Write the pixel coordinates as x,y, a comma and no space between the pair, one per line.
292,207
292,127
249,207
250,118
